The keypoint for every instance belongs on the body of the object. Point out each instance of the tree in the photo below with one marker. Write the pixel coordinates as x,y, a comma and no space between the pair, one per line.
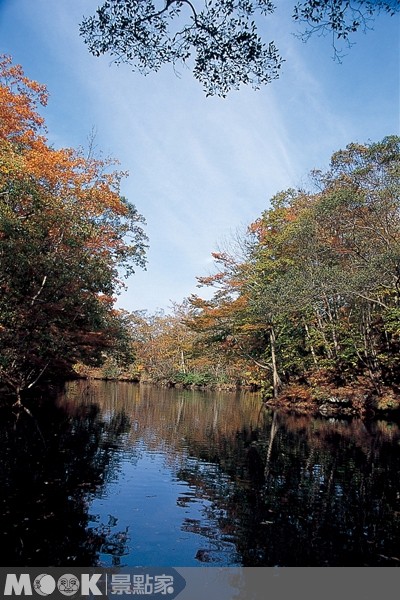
164,345
220,36
328,266
319,288
340,18
66,237
226,324
228,49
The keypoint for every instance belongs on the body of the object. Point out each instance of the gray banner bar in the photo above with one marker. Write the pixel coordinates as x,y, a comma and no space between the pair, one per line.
290,583
202,583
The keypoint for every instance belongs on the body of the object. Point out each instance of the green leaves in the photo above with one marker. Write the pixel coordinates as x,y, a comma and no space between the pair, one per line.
319,286
66,236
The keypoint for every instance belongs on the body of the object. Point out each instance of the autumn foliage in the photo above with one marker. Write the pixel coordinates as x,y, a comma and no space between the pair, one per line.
304,305
65,232
312,299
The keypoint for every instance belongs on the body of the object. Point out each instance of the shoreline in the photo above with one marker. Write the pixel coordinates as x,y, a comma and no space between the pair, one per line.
329,401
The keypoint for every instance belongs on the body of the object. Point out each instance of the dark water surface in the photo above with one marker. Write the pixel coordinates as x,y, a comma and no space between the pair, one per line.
117,474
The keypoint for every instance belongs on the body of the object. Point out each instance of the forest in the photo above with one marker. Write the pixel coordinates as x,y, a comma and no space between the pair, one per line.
303,305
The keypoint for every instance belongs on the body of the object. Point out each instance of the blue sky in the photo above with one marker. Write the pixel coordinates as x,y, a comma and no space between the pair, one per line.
201,168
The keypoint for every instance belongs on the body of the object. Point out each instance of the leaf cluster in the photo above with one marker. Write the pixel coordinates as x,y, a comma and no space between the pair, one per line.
66,237
340,18
319,286
220,40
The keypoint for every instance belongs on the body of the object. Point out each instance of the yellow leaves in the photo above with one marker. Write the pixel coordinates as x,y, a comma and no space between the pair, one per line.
251,327
11,163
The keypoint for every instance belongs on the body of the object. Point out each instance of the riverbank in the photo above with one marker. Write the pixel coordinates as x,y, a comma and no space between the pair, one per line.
313,397
332,401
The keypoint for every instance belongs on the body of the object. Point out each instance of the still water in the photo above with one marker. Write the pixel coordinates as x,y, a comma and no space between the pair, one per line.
121,474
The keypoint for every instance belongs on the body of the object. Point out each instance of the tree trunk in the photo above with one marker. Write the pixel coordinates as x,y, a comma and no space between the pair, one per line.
183,364
311,345
276,381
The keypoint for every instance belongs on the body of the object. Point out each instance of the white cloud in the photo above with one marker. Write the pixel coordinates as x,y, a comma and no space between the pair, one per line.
198,166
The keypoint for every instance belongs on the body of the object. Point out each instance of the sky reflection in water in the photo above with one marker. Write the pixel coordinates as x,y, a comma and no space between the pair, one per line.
122,475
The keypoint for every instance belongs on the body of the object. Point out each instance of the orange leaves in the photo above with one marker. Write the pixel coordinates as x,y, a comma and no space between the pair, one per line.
223,257
19,98
66,235
107,300
25,152
16,80
211,279
76,188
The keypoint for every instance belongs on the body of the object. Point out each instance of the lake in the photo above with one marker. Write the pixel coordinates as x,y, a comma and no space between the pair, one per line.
120,474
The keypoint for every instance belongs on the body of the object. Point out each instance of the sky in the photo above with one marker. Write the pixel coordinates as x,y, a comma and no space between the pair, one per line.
201,169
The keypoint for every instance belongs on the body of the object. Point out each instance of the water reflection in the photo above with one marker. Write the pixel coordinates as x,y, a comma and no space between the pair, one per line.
51,464
117,474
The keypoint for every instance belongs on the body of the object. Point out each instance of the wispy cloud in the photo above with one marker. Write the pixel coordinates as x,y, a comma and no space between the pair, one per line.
199,167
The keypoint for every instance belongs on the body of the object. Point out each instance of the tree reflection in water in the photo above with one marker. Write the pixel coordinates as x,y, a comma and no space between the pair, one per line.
51,464
244,486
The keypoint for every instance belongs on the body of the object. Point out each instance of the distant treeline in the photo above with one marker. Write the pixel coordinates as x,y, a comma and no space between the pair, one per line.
306,302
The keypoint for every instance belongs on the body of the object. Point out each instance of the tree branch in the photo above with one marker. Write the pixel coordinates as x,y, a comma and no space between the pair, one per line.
36,296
